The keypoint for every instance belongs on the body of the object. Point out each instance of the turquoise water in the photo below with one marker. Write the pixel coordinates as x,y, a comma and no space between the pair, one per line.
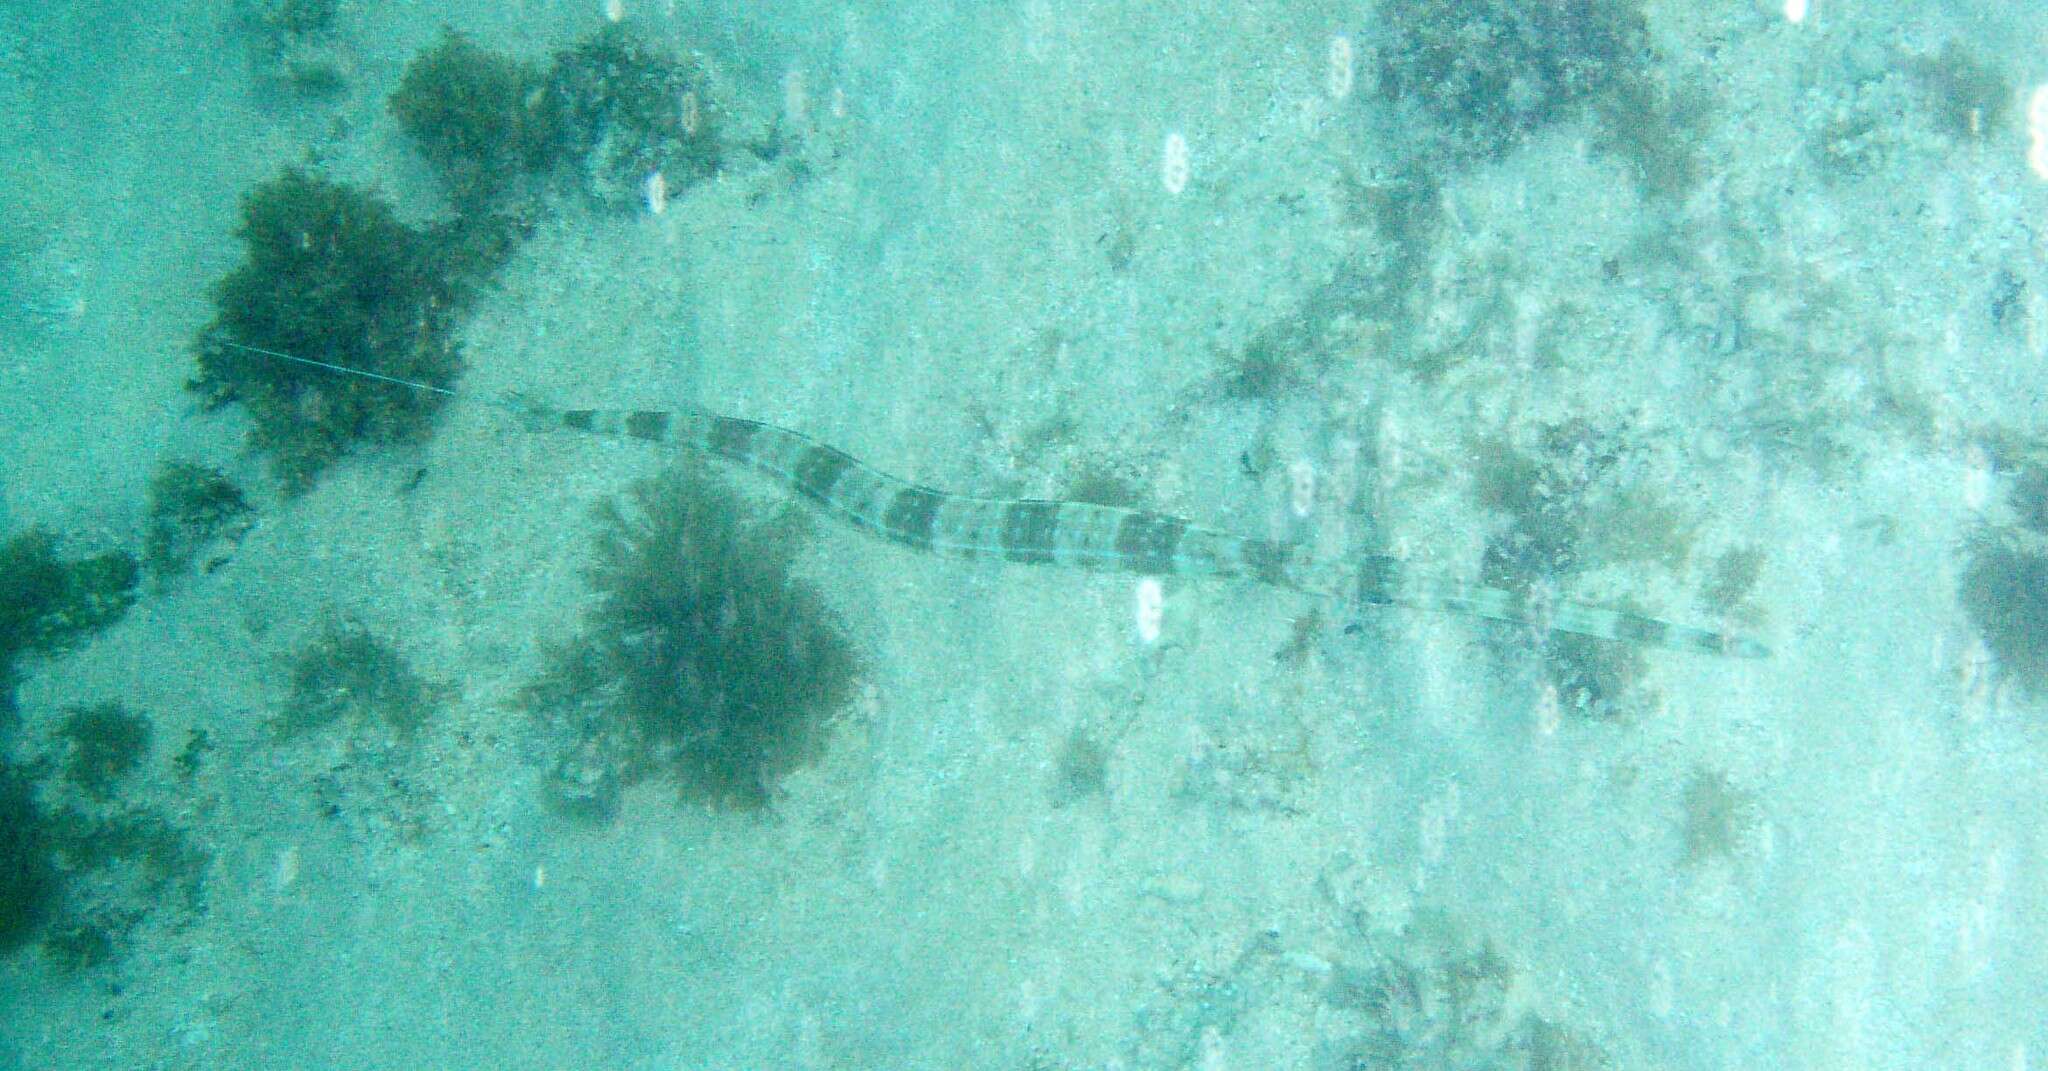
1716,316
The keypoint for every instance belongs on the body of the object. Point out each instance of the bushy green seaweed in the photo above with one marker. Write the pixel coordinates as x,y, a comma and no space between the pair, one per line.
1657,134
333,275
47,604
1431,1000
1854,142
1492,71
1968,97
107,743
82,943
1733,579
78,879
2005,595
291,43
1080,767
1718,818
81,865
349,673
481,118
604,114
190,506
703,656
629,108
30,888
118,867
2030,495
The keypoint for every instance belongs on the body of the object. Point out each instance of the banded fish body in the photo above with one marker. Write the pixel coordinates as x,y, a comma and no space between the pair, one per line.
1083,535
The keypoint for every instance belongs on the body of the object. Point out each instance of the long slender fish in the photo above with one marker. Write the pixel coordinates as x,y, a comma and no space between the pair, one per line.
1082,535
1078,535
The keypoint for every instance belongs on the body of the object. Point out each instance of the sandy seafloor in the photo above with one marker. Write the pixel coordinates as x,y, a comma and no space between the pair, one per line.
1803,359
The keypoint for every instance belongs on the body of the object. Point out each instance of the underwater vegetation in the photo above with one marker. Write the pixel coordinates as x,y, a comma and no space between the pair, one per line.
1431,998
47,604
1733,580
117,870
190,506
106,744
1490,72
2005,595
348,673
628,108
1367,297
2004,584
1718,818
28,876
355,697
1967,97
1954,93
2029,497
291,44
80,867
1554,498
290,17
703,658
356,700
333,275
1080,768
603,115
480,118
